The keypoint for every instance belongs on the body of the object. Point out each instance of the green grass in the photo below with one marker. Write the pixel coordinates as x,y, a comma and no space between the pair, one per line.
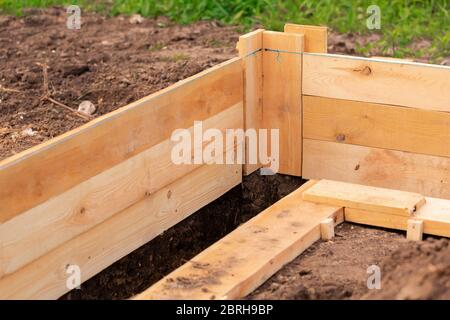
403,21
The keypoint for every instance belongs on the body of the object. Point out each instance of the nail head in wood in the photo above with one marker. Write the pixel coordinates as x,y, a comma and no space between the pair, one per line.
327,229
415,230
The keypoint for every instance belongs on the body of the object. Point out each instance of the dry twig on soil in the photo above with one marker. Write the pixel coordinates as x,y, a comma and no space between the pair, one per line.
2,88
47,96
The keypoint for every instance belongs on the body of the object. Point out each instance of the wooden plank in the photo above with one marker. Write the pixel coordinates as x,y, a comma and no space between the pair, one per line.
240,262
424,174
282,108
377,125
349,195
96,249
316,37
435,214
67,215
250,50
389,82
51,168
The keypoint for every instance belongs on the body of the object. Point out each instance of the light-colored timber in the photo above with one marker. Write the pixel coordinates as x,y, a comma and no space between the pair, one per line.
364,197
327,229
376,125
43,228
316,37
51,168
407,84
414,231
250,47
435,214
238,263
282,105
99,247
424,174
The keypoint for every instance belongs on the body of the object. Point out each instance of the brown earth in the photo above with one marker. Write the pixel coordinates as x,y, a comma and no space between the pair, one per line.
338,269
112,62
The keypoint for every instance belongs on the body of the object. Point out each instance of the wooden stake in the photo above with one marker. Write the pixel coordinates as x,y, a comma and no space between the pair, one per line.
327,229
415,230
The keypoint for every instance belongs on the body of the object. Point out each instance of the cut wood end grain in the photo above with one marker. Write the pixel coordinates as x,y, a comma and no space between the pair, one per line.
415,230
327,229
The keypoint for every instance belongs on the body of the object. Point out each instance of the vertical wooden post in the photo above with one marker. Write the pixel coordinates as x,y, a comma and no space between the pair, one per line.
415,230
250,50
316,39
327,229
282,105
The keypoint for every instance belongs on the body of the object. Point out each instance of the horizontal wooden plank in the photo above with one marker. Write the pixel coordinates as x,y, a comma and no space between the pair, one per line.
377,125
389,82
282,105
316,37
96,249
435,214
240,262
41,229
357,196
424,174
51,168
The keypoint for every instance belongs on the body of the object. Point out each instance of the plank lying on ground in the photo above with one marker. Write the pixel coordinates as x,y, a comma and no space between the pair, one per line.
377,125
51,168
282,105
435,214
240,262
99,247
250,50
369,80
424,174
363,197
316,38
65,216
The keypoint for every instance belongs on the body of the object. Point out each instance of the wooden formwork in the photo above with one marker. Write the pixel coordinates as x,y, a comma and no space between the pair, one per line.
93,195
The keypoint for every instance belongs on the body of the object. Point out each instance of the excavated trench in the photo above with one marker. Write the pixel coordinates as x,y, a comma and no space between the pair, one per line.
140,269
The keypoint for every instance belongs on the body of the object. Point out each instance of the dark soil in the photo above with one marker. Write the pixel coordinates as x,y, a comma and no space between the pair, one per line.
110,62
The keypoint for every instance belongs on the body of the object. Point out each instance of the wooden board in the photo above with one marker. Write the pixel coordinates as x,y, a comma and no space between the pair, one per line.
99,247
377,125
435,214
389,82
250,50
49,169
316,38
282,106
363,197
240,262
424,174
43,228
